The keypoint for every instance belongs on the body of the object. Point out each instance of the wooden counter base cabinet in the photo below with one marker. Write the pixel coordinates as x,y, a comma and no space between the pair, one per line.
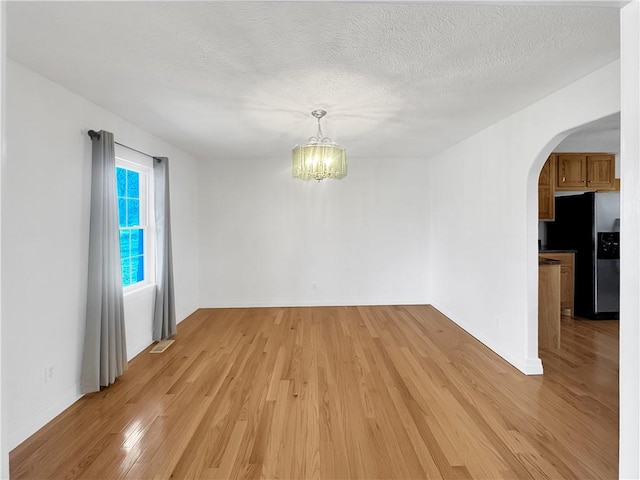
549,304
567,279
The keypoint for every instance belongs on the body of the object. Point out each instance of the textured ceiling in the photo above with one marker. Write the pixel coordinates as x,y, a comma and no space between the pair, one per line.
238,79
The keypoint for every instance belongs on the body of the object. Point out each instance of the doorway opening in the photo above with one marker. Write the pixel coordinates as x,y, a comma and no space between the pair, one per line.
579,229
579,271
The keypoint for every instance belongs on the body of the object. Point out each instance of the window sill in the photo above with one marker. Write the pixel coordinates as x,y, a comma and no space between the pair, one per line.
139,291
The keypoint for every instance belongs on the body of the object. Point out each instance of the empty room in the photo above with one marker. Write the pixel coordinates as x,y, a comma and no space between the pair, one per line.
319,239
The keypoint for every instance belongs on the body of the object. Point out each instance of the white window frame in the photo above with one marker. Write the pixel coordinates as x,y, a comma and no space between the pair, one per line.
143,165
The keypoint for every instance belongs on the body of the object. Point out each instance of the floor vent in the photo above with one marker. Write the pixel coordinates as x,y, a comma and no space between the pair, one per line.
161,346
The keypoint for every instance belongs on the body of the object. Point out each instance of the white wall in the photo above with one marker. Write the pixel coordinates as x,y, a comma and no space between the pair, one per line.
45,228
270,239
4,450
484,228
630,244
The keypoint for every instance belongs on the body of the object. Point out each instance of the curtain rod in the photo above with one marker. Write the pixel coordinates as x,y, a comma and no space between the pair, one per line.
93,134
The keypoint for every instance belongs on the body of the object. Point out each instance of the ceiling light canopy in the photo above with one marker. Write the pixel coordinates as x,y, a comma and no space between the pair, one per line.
320,158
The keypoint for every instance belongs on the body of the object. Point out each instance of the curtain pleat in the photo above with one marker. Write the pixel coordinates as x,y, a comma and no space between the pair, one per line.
105,351
164,315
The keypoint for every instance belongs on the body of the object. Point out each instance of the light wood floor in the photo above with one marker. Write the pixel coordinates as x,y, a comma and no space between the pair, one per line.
340,392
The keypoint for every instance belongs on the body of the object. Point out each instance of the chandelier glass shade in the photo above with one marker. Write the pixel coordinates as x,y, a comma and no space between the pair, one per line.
320,158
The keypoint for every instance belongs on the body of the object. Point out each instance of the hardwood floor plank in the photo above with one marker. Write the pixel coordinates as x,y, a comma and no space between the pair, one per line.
336,393
333,449
273,452
231,452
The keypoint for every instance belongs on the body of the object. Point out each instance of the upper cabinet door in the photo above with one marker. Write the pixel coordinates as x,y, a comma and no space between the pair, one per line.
572,171
547,174
546,190
601,171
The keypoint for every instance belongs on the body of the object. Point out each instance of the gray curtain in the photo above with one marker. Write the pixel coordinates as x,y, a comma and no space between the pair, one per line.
105,352
164,314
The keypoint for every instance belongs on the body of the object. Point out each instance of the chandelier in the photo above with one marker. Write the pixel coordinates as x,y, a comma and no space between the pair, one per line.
320,158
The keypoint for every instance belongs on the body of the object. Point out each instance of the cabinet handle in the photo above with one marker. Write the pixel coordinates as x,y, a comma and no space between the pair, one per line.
564,179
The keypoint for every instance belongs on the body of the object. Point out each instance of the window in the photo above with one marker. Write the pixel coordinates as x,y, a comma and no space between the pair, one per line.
132,180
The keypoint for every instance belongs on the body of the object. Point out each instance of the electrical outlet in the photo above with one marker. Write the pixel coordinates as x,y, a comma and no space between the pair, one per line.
49,373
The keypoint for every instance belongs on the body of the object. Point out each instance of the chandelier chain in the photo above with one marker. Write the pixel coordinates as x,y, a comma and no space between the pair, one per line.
319,138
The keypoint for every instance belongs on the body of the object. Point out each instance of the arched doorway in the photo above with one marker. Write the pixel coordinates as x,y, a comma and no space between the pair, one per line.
602,135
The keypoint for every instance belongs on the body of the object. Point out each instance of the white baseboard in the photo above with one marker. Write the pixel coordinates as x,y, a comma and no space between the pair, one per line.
309,302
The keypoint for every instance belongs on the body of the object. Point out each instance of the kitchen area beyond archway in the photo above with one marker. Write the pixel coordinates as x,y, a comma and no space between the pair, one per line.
579,267
579,227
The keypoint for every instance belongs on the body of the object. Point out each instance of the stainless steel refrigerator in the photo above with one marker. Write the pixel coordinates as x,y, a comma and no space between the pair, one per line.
589,223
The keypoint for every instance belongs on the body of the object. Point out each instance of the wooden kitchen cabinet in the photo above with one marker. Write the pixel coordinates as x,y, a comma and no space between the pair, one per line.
572,171
548,304
567,278
585,171
601,171
546,190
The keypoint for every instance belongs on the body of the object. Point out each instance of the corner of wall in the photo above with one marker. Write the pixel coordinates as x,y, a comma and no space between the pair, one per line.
629,460
527,365
4,452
